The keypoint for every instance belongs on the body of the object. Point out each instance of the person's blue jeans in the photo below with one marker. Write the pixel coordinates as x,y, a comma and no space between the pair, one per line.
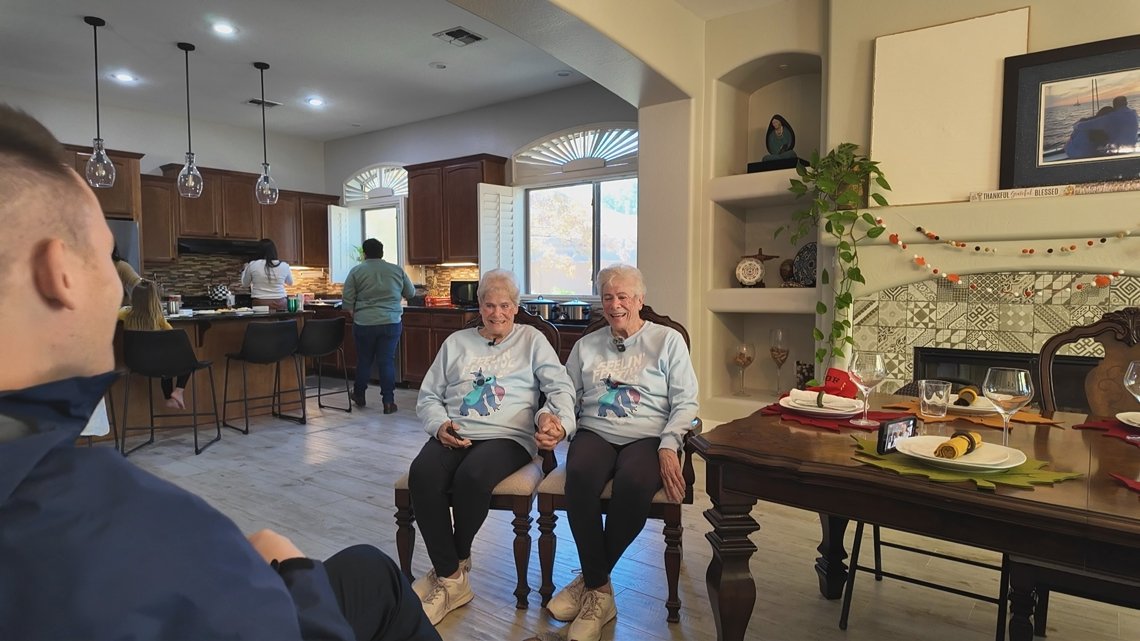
376,344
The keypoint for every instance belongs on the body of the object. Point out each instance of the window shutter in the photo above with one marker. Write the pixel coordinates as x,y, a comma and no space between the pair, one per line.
500,230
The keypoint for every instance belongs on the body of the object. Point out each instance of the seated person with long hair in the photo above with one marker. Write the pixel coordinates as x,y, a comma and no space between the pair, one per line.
145,314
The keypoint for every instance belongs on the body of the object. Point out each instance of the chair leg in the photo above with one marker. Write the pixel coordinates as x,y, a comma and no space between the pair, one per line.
111,418
851,572
1041,611
521,524
275,398
320,388
126,413
194,411
299,365
1003,599
547,545
245,397
214,404
878,552
150,402
344,368
673,531
405,531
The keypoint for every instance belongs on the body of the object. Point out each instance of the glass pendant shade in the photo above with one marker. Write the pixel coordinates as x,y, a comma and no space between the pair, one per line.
266,187
189,180
100,170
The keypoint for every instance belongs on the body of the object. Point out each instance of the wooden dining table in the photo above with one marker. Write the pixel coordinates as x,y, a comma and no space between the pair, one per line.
1090,524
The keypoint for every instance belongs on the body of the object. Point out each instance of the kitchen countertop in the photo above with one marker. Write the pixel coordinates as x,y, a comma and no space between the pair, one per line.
200,316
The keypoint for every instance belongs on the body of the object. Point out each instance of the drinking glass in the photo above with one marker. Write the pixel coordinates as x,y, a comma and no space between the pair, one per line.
742,357
1009,390
1132,379
778,350
867,370
933,397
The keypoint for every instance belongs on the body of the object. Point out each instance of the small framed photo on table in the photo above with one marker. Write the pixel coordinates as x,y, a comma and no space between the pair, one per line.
1069,115
892,431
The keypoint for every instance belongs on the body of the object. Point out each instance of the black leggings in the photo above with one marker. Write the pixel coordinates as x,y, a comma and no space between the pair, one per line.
468,474
375,597
636,472
168,384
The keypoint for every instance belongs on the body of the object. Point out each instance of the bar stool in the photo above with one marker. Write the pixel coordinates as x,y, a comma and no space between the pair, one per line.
265,344
164,354
319,338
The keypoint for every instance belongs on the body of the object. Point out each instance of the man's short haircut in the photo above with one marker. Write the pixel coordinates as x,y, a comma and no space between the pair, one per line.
1120,101
373,248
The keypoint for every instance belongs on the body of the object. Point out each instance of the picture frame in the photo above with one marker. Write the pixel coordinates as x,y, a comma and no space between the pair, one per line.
890,432
1062,119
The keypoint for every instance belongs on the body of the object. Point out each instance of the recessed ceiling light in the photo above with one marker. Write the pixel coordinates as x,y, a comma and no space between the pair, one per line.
437,65
563,73
123,77
315,101
224,29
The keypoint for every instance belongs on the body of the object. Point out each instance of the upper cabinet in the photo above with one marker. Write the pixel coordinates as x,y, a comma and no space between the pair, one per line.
281,222
315,229
159,215
443,208
124,198
241,213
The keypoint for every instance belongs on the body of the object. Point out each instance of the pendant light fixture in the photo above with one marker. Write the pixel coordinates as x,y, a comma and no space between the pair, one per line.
266,187
189,180
100,170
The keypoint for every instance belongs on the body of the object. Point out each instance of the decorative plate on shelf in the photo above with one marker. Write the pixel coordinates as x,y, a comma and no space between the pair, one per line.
750,269
803,265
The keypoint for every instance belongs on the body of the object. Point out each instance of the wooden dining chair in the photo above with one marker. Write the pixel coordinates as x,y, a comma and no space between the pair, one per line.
515,493
552,497
1118,332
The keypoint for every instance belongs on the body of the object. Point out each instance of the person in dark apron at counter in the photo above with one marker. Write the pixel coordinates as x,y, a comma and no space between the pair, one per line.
267,277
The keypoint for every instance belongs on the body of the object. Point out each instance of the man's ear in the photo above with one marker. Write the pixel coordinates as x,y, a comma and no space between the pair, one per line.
51,272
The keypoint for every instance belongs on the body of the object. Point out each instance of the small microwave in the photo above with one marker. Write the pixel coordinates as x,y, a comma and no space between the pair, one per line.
464,293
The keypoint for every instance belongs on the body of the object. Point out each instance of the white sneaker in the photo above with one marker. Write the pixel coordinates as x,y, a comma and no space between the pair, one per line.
447,595
598,609
568,601
422,585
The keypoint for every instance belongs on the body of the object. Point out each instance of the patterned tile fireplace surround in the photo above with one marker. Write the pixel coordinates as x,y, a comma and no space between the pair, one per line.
996,314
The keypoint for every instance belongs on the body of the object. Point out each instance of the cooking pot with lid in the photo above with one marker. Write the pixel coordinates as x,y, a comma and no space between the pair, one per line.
541,307
575,310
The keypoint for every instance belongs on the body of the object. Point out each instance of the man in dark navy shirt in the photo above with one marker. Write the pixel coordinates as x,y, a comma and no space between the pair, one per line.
92,547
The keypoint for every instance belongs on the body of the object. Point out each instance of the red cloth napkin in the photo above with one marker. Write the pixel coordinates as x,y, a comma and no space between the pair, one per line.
837,382
1129,483
1115,429
833,424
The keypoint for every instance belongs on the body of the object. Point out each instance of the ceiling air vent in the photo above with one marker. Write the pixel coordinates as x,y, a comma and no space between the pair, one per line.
458,36
269,104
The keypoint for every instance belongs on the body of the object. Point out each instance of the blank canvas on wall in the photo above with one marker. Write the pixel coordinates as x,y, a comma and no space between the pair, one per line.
936,112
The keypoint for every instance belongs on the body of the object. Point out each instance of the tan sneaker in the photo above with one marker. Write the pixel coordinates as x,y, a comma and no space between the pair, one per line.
568,601
598,609
447,595
422,585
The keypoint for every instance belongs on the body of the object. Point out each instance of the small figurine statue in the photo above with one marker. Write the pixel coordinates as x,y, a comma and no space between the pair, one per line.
780,140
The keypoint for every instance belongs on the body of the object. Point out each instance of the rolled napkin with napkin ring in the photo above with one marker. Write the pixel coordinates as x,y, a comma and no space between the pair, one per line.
819,399
960,444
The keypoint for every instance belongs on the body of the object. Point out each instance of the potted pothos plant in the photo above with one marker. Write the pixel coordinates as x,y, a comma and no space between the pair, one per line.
837,185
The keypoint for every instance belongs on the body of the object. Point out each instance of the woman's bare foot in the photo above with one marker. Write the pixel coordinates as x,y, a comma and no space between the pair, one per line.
176,396
173,404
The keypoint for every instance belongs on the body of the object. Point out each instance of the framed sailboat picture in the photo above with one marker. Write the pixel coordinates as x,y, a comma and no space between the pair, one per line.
1070,115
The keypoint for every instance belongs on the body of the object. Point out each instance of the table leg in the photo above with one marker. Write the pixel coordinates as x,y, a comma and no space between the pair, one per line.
830,568
732,591
1021,602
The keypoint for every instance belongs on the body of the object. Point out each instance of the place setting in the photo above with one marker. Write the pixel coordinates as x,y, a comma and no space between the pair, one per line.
1124,425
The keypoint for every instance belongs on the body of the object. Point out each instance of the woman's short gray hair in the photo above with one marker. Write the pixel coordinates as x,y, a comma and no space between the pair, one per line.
622,272
499,279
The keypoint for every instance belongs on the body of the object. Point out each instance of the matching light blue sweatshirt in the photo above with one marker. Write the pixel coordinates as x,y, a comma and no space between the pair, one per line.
491,391
647,390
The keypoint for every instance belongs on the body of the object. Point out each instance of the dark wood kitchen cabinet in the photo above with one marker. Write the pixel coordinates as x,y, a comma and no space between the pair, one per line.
124,198
443,207
425,330
241,213
159,216
281,223
315,229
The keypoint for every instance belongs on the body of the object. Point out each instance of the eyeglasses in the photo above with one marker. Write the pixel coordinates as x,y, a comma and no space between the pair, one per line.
619,343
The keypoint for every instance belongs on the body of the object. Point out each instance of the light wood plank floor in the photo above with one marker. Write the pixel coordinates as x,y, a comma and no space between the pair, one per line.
328,485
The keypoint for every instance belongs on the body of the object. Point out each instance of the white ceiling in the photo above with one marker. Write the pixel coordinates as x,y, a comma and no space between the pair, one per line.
367,58
713,9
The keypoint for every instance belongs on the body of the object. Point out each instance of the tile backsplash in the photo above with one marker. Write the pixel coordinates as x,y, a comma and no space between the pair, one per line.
1008,312
438,279
192,273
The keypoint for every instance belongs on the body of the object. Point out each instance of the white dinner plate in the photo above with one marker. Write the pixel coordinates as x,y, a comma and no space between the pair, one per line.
847,411
982,407
990,457
1129,418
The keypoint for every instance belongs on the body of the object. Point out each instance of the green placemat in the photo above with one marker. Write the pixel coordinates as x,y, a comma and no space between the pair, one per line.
1025,476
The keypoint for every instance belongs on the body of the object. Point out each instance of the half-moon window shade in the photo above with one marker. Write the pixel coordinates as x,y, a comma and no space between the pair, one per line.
594,150
376,182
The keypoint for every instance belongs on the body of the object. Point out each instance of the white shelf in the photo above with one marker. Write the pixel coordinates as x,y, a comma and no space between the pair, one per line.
765,300
761,189
727,408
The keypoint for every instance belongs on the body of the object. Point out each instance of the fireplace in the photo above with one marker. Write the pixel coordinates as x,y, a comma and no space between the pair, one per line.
967,365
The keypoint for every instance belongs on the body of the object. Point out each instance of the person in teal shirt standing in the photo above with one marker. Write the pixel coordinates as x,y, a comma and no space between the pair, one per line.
372,294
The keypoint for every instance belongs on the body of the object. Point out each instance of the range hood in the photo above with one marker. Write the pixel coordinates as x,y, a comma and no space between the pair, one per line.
218,246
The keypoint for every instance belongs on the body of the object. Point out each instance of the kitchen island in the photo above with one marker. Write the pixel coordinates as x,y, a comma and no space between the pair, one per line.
212,335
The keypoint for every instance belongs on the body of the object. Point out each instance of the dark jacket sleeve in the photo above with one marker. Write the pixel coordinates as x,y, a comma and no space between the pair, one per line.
318,613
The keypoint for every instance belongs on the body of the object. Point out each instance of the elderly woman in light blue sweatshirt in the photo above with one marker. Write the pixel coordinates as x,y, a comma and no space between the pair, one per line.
480,404
637,396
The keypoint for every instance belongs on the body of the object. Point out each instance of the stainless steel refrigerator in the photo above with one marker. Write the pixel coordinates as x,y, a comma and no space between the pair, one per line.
126,234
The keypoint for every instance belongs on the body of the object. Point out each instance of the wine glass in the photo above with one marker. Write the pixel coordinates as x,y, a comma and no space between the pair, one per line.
1132,379
778,349
1009,390
742,357
867,370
